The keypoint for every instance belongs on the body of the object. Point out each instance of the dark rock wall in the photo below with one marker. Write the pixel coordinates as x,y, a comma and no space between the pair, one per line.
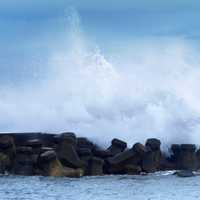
68,155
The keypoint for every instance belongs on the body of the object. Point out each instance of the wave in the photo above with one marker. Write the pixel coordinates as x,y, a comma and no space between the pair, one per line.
149,88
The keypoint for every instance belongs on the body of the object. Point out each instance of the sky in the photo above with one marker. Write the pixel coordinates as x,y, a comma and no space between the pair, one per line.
31,29
15,8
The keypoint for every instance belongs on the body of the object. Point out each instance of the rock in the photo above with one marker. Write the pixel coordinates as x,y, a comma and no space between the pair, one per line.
23,170
22,138
7,147
153,143
48,140
66,152
24,150
84,152
118,163
49,165
117,146
185,173
47,156
132,154
97,152
187,157
152,156
136,160
4,163
85,155
132,169
121,157
198,158
151,161
24,161
184,156
166,163
139,148
44,149
175,149
68,137
84,143
73,173
6,142
34,143
96,166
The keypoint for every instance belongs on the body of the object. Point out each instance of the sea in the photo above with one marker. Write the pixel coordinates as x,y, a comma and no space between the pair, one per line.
157,186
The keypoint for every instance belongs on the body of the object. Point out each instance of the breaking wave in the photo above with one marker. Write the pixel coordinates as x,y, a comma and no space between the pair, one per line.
149,88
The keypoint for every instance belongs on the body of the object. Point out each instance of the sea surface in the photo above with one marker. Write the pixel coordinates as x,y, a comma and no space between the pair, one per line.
158,186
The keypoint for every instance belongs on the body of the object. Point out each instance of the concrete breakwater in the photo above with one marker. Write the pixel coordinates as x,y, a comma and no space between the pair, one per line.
67,155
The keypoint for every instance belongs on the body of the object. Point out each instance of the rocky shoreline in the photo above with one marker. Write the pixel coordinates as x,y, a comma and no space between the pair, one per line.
66,155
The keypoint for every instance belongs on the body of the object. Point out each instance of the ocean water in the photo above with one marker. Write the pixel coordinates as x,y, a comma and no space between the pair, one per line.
159,186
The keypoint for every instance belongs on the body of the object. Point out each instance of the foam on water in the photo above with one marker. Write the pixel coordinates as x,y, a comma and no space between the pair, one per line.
149,88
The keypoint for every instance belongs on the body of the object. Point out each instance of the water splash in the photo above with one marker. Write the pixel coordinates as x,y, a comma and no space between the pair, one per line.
148,89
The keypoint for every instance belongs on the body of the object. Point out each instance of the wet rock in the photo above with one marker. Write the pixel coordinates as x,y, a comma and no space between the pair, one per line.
117,146
70,137
185,173
133,156
153,143
66,151
132,169
84,152
198,158
24,150
151,161
84,143
48,140
184,156
23,170
24,161
6,142
96,166
49,165
4,163
166,163
139,150
44,149
73,173
121,157
22,138
175,149
152,156
101,153
187,157
85,155
34,143
7,147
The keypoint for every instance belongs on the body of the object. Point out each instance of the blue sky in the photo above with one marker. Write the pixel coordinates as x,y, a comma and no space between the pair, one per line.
56,7
32,28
